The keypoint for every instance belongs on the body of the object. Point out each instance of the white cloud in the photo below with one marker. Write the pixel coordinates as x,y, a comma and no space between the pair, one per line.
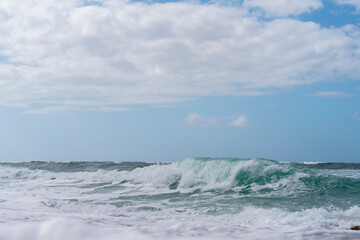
356,116
122,53
284,7
195,119
355,3
66,109
240,121
332,94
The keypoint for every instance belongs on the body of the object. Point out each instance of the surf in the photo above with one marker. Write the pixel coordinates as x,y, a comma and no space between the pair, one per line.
220,196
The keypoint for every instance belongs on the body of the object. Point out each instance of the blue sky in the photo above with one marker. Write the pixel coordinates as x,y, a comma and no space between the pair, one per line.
116,80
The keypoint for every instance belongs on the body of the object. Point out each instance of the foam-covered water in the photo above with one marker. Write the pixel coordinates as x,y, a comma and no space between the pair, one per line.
193,199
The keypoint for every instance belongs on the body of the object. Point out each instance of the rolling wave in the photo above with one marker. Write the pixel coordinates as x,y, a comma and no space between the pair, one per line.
255,177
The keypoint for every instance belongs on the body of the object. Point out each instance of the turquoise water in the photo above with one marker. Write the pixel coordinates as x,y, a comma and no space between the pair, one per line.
226,192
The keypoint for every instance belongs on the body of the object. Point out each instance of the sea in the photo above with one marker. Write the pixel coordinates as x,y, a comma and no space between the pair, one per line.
198,198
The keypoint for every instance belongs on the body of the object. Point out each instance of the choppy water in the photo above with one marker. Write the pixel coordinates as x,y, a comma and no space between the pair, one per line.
193,199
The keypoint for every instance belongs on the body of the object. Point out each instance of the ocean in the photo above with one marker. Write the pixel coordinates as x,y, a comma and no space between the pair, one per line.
198,198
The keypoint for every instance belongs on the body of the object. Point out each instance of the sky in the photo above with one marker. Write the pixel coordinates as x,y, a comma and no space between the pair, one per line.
161,81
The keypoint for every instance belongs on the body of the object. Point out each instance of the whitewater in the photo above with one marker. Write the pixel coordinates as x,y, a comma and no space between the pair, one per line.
198,198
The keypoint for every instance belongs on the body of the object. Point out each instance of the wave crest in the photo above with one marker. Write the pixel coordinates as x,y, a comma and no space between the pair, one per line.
211,174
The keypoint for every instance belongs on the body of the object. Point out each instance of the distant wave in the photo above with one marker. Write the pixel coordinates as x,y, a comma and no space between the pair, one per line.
327,165
76,166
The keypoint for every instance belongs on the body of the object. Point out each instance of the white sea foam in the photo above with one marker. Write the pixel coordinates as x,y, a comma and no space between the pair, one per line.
70,228
348,173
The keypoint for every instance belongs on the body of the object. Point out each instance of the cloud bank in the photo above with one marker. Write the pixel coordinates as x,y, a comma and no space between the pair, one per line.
68,54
